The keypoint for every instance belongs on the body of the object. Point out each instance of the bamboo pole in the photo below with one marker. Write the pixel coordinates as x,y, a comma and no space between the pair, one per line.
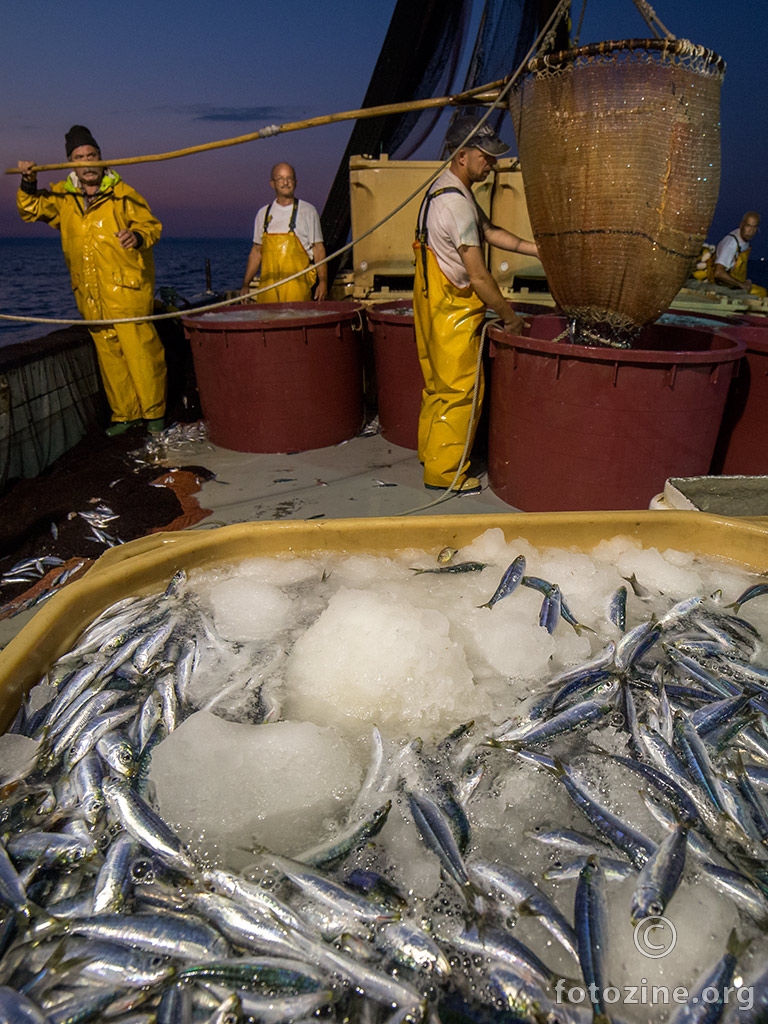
484,94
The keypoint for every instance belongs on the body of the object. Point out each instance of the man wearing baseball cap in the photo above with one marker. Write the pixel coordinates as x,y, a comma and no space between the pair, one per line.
107,233
452,289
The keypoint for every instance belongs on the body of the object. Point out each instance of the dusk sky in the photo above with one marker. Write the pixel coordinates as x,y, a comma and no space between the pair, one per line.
153,77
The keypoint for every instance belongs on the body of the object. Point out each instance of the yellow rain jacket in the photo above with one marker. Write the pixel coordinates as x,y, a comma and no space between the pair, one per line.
109,281
447,322
282,254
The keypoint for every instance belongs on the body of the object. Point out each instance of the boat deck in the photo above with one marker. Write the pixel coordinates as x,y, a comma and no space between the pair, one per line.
364,477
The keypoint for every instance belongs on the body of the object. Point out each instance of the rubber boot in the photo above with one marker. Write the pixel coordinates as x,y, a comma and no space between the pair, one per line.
116,429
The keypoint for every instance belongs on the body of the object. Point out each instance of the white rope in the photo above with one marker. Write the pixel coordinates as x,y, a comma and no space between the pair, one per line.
559,11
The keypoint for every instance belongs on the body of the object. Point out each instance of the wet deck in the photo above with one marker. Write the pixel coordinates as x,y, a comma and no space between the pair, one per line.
360,478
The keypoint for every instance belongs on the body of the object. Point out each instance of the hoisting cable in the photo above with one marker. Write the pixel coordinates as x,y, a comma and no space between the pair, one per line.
650,18
577,36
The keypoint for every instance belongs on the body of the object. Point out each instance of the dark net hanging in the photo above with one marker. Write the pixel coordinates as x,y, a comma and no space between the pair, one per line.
418,60
507,30
619,145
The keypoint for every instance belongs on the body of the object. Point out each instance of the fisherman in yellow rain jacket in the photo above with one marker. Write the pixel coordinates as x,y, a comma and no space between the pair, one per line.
107,233
451,290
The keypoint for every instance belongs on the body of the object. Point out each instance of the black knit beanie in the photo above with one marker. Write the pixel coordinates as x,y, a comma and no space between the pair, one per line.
78,135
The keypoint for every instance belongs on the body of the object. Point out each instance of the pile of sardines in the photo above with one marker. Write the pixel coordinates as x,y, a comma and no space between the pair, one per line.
108,916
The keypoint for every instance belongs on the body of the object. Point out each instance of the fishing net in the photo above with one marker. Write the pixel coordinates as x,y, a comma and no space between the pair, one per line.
619,144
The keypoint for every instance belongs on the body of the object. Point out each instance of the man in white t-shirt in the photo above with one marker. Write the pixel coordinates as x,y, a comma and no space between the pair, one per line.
732,254
287,239
452,289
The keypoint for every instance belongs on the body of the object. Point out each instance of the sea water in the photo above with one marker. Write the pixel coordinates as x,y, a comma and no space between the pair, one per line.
34,280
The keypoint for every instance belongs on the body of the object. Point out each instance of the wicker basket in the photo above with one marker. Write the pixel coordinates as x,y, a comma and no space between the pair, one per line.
619,144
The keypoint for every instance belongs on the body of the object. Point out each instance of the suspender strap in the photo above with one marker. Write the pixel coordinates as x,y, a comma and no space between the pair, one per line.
294,215
421,221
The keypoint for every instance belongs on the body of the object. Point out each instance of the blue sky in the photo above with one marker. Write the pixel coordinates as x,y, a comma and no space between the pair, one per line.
152,77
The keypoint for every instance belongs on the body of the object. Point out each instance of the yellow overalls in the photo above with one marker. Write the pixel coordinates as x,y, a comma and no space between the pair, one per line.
282,255
447,322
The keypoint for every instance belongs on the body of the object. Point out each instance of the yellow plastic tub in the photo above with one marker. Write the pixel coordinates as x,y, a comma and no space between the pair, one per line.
145,565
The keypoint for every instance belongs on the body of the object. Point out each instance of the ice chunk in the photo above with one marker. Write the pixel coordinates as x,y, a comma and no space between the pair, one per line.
225,786
247,609
373,659
280,572
655,572
692,935
610,549
39,696
509,638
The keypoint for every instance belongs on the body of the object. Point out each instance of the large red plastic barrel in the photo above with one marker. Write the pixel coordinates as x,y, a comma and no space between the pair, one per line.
574,428
279,377
399,381
742,447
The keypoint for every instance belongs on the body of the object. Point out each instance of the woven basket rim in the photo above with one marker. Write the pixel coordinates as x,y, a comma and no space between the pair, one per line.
682,47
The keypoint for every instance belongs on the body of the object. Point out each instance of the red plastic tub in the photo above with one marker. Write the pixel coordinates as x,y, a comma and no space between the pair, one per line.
575,428
279,377
742,447
399,382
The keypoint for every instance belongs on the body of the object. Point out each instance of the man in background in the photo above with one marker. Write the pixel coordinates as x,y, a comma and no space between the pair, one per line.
732,254
287,238
107,233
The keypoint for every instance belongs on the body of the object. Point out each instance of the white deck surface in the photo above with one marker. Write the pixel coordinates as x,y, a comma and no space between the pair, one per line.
367,476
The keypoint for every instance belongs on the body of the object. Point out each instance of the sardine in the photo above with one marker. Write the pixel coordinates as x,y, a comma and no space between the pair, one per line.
509,582
660,876
146,827
592,931
454,567
524,896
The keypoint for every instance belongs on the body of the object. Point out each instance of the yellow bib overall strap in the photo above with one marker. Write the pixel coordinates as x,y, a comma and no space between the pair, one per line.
282,255
447,321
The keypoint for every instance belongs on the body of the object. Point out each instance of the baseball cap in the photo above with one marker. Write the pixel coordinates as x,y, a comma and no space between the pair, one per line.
484,138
